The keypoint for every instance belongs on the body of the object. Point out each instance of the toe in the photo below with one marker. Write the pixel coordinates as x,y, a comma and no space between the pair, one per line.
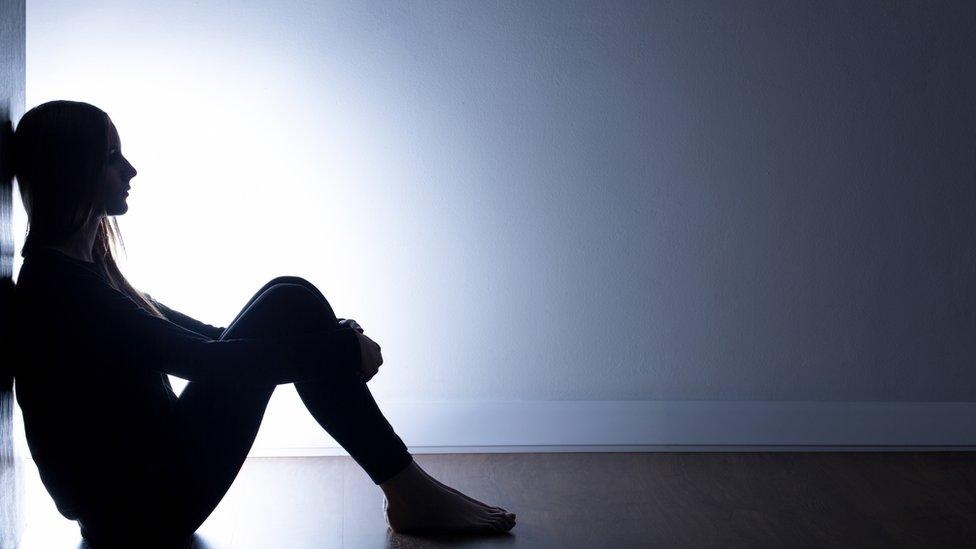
500,520
504,525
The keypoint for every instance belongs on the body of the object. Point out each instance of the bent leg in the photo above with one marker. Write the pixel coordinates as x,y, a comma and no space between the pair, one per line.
219,422
344,407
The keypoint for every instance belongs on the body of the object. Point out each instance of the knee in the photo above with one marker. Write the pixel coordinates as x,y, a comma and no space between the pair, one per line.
295,304
282,308
288,293
289,279
291,293
293,281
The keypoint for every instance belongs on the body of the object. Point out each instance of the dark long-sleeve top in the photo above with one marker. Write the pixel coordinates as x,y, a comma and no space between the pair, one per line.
90,373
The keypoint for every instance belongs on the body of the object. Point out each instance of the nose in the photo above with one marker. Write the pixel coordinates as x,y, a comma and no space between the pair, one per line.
129,165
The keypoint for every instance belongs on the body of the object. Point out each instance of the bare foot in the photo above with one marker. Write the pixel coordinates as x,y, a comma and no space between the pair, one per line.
416,502
469,498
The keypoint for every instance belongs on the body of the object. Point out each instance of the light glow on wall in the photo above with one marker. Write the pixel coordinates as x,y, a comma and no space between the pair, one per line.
286,142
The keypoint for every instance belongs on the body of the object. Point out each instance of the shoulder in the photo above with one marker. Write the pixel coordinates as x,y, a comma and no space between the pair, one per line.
47,278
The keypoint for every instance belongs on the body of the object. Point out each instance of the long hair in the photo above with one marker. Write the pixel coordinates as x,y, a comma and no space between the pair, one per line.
60,152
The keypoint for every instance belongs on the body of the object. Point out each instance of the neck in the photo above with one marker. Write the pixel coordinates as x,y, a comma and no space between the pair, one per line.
79,246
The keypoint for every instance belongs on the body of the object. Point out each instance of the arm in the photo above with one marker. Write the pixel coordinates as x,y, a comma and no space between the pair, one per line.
185,321
119,329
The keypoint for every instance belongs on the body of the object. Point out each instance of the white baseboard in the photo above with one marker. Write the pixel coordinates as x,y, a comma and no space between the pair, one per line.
639,425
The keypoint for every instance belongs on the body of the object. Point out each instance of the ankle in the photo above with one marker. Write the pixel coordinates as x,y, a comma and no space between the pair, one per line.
403,483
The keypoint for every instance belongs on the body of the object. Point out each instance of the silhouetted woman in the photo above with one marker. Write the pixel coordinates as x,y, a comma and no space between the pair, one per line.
115,447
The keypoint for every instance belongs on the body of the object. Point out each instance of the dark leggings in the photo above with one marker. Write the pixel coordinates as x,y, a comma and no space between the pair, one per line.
218,422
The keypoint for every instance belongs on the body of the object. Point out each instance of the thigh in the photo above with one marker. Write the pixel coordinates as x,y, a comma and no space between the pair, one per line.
216,423
214,428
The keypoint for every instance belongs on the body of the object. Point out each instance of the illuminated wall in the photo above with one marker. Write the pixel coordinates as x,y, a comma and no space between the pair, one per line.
557,201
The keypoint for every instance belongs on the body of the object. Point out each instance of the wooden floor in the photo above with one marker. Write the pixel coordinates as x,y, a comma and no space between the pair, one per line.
619,500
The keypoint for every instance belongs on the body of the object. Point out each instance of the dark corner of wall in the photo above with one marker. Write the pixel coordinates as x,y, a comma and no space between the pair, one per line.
13,23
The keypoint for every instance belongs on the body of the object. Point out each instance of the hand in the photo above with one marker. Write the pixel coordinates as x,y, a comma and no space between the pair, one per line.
370,357
350,323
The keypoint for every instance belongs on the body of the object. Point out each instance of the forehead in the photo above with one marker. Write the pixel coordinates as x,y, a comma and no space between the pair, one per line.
113,135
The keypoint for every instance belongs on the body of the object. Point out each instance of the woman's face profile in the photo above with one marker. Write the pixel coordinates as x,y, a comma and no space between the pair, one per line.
114,185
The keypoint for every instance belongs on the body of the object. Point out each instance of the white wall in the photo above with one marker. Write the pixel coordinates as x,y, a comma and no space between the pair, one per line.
558,201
